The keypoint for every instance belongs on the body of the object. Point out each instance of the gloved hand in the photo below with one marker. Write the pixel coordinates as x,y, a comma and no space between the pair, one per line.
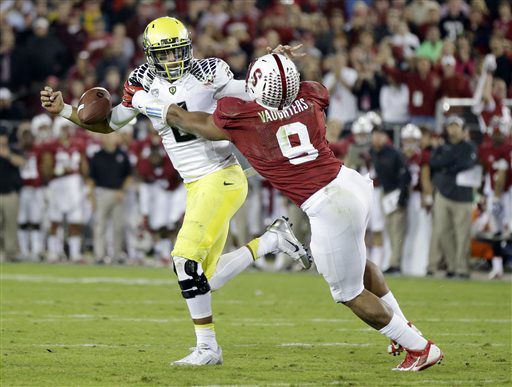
129,91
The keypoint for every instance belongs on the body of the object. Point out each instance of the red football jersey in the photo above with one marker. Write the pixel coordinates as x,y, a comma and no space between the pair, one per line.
31,170
67,157
287,147
494,157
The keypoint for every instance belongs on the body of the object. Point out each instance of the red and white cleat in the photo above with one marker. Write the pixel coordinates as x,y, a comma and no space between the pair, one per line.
420,360
396,349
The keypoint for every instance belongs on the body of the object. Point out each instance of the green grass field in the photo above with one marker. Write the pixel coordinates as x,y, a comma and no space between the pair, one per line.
71,325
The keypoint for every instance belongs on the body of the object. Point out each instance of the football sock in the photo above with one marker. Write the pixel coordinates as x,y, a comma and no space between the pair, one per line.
230,265
36,240
267,243
23,240
497,267
75,244
54,247
403,334
390,299
376,255
205,335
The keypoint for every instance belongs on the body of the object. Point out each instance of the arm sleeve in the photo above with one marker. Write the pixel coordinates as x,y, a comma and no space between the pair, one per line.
316,92
222,116
233,88
120,116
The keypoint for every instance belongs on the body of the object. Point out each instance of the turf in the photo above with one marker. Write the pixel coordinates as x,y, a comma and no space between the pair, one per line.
70,325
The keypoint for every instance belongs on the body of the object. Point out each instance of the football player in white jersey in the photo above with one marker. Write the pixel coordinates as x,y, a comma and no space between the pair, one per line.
216,185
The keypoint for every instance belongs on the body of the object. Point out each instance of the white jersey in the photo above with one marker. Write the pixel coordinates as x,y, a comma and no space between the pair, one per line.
208,80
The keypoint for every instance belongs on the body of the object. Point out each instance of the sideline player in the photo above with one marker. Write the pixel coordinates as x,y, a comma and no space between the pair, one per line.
216,185
282,134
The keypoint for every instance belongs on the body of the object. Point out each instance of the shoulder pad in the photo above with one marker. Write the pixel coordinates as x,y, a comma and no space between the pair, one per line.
142,76
211,70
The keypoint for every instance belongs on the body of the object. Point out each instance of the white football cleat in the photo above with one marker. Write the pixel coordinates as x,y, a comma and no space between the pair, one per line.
288,243
200,356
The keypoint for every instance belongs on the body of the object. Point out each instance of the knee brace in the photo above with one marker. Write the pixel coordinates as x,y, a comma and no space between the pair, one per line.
191,278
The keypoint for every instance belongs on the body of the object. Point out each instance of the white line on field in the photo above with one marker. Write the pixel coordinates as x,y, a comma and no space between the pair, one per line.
322,345
86,280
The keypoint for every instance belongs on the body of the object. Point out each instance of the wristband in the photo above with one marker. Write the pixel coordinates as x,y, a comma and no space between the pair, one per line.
66,111
150,106
428,200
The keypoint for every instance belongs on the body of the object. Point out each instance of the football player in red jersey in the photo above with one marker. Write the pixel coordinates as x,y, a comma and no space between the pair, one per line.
495,154
282,134
30,214
419,221
65,165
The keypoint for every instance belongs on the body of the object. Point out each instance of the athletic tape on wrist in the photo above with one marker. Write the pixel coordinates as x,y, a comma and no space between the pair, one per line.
150,107
66,111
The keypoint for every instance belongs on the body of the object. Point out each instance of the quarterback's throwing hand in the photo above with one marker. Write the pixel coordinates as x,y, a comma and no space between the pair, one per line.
52,100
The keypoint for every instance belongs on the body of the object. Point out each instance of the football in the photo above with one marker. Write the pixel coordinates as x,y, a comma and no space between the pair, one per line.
94,105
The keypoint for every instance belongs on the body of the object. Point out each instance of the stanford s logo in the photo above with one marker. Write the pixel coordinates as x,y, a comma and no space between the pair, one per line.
256,76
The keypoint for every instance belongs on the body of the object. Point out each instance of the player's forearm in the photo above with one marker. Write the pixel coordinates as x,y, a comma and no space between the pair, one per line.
101,127
190,122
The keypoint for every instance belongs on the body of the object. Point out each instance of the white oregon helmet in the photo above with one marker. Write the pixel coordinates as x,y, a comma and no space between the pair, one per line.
273,81
410,131
362,126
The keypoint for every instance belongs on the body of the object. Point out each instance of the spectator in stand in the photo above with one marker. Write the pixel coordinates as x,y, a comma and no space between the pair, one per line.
367,88
340,81
99,40
453,200
45,53
110,172
13,62
418,11
503,60
119,39
453,84
395,179
406,40
503,26
9,110
455,19
76,89
465,62
480,30
432,46
431,19
423,86
69,31
10,184
113,84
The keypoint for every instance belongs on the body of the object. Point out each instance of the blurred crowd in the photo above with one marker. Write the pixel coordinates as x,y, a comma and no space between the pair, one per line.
443,185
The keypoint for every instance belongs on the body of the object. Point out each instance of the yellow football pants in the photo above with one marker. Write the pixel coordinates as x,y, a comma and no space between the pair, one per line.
211,203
